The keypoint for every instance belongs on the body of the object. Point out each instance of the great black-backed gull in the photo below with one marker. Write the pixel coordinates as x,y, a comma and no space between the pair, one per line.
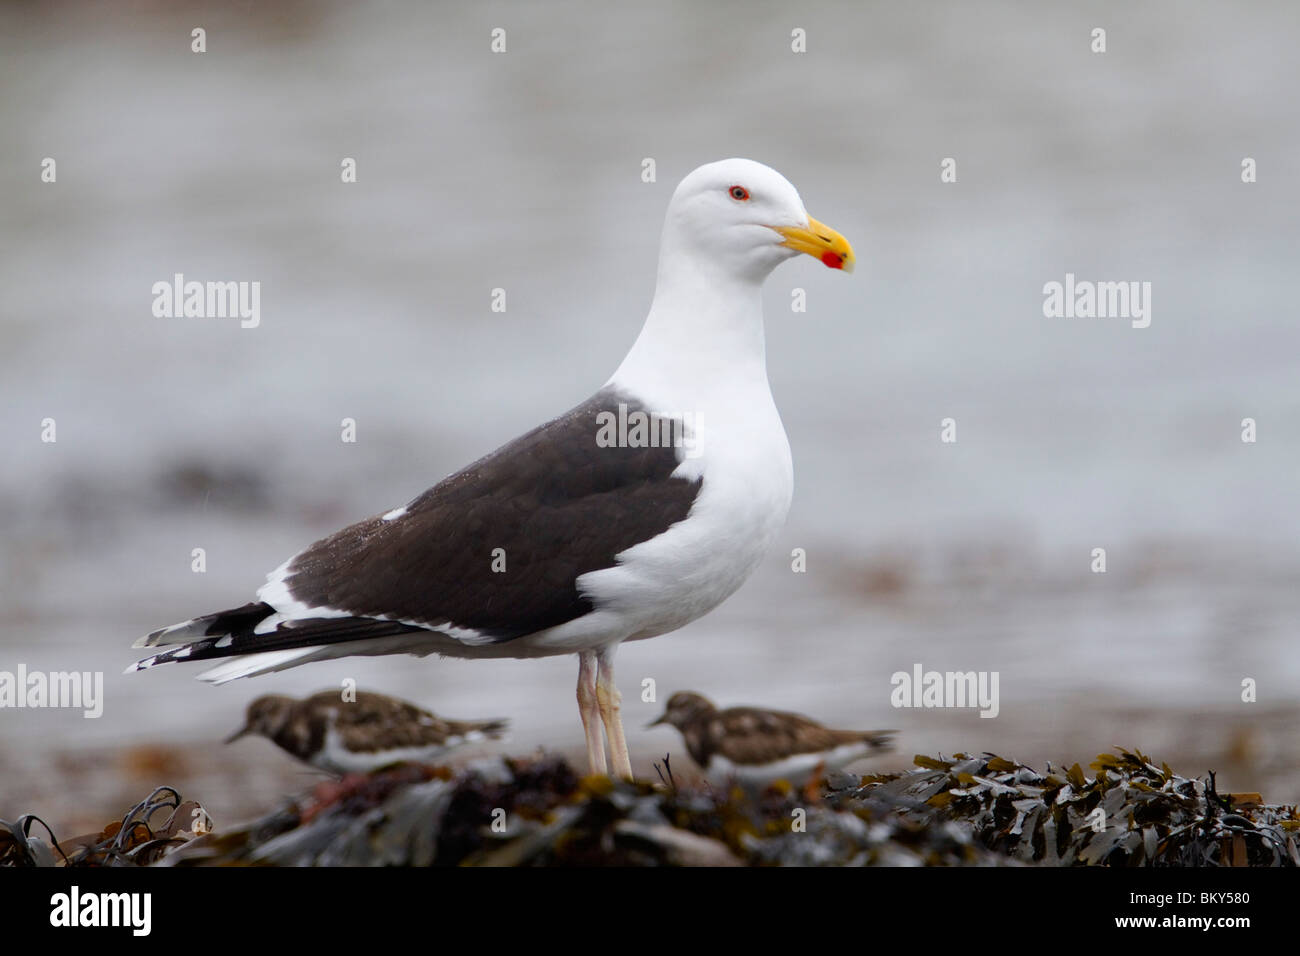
362,733
627,517
757,746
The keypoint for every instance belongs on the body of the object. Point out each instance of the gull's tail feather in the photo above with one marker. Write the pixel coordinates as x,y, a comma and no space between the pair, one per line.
262,640
222,623
250,665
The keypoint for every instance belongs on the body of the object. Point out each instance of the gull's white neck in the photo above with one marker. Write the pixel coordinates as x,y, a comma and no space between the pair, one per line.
704,334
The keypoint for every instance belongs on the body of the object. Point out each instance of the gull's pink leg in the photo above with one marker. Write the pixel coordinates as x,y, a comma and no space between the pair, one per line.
588,708
610,702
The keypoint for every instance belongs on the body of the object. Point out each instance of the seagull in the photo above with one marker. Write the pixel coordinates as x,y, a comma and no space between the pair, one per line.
361,733
757,746
627,517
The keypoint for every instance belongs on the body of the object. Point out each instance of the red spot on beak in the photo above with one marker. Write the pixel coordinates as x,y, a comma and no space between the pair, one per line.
832,260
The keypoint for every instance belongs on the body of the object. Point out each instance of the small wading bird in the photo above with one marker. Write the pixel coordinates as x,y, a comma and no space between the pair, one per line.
360,735
756,746
601,542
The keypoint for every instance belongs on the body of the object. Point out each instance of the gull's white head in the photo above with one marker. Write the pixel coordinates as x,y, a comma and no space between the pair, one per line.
747,218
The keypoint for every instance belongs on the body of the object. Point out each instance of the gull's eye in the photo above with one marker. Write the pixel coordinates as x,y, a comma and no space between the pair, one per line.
739,193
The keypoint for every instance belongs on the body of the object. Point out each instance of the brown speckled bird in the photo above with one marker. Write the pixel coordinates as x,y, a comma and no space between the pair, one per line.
357,736
756,746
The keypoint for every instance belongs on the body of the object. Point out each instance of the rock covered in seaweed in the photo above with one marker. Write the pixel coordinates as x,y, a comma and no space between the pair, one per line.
964,811
1131,813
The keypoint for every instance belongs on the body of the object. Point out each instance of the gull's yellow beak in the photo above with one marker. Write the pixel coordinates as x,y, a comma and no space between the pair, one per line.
821,242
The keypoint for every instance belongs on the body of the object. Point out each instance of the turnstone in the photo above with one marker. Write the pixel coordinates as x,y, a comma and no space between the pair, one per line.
357,736
756,746
634,513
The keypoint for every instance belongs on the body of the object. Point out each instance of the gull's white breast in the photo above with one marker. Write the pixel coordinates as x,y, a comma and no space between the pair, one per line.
672,579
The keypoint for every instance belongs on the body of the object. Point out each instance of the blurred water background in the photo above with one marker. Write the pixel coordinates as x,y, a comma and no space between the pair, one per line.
522,171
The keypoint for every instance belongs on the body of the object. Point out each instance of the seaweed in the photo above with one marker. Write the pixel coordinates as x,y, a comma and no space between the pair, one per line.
959,811
1131,813
131,841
